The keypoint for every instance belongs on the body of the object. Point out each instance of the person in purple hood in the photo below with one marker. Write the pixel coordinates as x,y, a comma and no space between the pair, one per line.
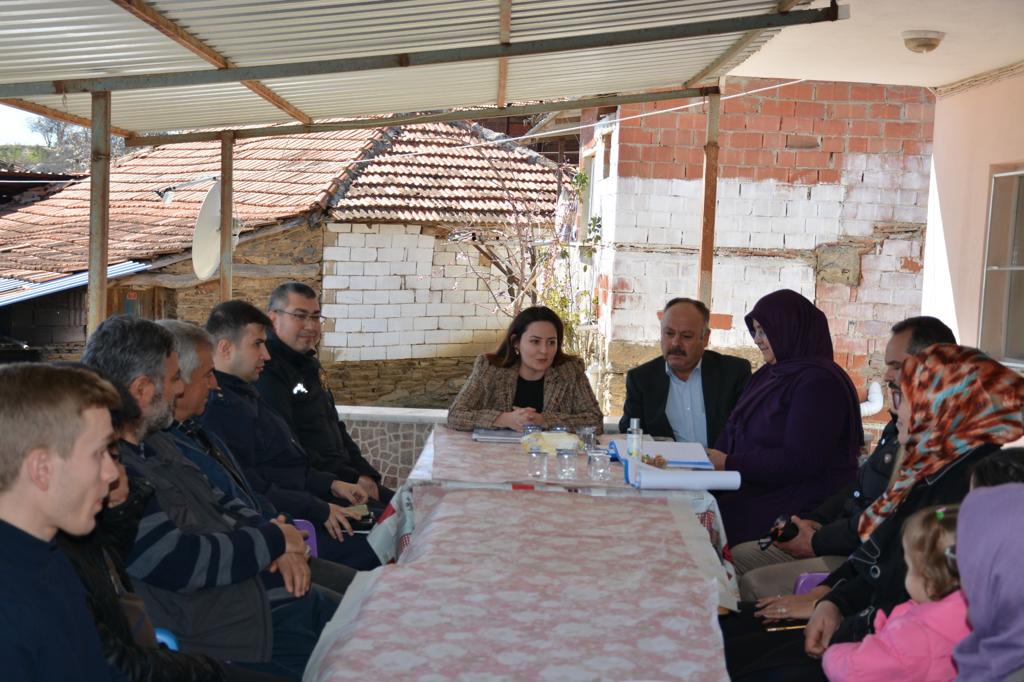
795,433
988,556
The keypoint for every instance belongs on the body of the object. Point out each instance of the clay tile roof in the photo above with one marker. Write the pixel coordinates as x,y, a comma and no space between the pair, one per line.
441,173
279,178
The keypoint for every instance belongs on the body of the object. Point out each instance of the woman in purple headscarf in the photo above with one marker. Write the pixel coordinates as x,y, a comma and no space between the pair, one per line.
795,433
988,556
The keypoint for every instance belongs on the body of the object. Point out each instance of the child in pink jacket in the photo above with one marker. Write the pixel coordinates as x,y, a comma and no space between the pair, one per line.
916,640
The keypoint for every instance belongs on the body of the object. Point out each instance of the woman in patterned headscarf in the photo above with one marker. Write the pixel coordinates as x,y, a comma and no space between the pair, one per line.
956,406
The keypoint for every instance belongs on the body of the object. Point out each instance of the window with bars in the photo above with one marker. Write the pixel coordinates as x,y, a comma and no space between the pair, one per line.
1002,304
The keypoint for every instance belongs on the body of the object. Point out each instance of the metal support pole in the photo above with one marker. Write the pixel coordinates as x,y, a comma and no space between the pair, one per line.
707,232
227,142
99,210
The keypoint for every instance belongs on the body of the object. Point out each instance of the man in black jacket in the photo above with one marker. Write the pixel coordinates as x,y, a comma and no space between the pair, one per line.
829,534
688,392
271,456
294,383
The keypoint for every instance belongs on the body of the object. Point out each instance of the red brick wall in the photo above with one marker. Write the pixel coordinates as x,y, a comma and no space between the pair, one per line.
796,133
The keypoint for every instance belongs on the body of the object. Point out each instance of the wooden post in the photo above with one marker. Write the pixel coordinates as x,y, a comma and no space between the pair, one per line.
707,232
227,142
99,210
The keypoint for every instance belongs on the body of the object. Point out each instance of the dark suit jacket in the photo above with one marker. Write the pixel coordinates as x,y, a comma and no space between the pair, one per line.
722,380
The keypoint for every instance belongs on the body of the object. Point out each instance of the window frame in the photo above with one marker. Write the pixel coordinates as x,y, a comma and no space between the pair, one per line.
996,172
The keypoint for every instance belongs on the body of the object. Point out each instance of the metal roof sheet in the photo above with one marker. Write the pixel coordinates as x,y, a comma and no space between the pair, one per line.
29,290
42,40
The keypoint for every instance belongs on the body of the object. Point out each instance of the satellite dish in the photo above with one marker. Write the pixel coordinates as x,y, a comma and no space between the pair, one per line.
206,237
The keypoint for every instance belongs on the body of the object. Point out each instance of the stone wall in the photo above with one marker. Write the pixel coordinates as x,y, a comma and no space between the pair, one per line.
391,447
297,246
427,382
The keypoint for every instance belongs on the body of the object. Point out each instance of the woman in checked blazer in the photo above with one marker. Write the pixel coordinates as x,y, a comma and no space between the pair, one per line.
527,380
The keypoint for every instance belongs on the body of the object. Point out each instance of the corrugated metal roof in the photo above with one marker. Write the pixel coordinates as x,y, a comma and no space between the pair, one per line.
29,290
51,39
61,39
278,178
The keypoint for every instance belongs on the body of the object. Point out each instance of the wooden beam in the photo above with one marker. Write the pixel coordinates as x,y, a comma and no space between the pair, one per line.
99,210
58,115
278,101
505,38
227,173
406,119
238,270
708,72
707,234
144,12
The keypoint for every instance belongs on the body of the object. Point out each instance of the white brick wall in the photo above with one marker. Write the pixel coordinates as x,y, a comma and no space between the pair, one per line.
655,214
392,293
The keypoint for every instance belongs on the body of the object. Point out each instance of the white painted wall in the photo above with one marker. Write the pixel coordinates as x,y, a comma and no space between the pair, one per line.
393,293
974,130
653,219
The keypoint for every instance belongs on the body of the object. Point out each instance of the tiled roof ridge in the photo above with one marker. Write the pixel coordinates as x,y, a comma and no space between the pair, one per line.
383,141
505,142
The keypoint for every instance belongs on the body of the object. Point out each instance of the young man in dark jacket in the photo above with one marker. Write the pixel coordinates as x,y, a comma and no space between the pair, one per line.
294,383
272,459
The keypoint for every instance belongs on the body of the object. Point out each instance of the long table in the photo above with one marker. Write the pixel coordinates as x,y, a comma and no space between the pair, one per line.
452,460
608,583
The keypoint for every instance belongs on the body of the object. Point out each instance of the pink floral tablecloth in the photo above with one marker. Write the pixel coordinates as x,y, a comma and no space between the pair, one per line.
451,460
536,586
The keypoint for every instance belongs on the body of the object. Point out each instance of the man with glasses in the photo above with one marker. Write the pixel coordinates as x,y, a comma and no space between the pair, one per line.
294,383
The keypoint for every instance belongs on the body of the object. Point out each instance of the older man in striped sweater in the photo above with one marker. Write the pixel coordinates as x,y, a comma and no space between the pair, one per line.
230,584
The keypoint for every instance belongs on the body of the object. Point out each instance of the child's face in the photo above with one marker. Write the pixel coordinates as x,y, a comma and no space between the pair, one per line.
914,581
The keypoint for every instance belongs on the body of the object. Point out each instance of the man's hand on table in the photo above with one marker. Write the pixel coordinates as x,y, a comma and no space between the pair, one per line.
717,458
800,547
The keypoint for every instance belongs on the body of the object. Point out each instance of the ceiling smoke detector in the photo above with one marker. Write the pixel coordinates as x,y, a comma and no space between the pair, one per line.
922,41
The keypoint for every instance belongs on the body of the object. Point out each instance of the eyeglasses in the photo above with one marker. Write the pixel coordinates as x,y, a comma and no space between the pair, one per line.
303,317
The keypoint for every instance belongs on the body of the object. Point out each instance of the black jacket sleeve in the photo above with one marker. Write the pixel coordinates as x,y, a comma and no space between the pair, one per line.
838,538
838,532
634,405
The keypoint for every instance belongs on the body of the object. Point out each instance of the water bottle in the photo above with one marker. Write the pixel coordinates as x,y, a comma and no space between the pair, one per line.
634,449
634,439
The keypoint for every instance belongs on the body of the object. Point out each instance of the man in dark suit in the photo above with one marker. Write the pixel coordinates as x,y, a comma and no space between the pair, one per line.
688,392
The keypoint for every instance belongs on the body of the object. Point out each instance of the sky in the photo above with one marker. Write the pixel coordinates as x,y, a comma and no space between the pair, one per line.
14,127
